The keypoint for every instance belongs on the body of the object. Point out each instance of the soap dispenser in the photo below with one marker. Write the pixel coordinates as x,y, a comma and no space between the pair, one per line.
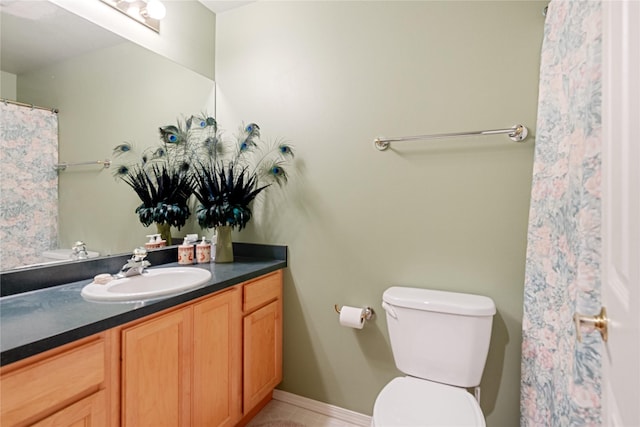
160,241
185,250
185,253
203,251
154,241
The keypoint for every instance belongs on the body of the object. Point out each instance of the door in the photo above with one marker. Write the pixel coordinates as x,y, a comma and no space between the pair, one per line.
621,211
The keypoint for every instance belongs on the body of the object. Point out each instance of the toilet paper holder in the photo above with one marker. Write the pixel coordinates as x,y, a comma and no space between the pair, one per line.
366,315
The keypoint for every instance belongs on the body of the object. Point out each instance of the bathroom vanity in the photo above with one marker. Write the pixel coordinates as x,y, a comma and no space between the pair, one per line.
210,357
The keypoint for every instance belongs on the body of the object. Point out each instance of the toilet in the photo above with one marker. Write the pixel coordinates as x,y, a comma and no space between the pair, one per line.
440,340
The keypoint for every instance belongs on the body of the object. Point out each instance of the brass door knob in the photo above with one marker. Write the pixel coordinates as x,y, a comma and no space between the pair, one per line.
599,322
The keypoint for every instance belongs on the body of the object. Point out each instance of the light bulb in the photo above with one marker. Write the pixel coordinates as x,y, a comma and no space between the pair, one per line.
134,12
156,10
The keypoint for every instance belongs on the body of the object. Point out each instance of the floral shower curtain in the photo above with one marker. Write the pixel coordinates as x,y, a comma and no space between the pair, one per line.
28,184
560,376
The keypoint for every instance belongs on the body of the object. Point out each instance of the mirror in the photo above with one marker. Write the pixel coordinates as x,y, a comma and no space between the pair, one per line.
107,91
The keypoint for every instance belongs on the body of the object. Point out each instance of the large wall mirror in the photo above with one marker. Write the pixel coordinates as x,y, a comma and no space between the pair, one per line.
107,90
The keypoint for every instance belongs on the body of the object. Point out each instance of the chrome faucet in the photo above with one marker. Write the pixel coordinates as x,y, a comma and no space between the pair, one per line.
79,251
136,265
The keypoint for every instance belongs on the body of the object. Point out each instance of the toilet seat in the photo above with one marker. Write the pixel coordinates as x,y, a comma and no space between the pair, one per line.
409,401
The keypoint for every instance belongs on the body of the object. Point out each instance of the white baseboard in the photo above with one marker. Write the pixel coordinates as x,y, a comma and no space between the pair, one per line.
323,408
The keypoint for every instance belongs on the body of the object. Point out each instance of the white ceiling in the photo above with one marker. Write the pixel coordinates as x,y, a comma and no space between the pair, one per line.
37,33
222,6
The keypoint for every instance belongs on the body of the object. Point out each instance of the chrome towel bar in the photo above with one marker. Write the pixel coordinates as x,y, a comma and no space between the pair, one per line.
63,166
517,133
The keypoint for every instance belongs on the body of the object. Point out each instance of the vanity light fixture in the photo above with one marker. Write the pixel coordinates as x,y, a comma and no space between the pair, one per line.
147,12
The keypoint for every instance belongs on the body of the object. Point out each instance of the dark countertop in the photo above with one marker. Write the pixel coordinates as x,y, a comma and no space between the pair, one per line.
46,317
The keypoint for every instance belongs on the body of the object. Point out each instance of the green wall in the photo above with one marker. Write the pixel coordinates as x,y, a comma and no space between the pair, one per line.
8,85
447,214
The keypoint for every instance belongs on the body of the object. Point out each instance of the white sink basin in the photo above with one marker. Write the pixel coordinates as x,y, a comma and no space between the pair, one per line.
153,283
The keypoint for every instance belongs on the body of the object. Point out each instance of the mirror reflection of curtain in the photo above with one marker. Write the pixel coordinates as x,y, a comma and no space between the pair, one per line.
28,184
561,376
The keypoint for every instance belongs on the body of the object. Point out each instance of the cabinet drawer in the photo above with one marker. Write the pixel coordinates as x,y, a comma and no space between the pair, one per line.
52,383
90,411
262,290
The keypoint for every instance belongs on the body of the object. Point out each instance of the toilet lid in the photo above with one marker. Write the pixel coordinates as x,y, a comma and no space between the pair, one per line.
408,401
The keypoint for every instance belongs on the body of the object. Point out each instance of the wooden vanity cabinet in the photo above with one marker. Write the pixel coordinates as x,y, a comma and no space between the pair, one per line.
72,385
262,339
182,368
209,362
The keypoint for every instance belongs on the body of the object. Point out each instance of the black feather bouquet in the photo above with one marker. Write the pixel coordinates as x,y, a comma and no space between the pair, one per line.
227,177
161,178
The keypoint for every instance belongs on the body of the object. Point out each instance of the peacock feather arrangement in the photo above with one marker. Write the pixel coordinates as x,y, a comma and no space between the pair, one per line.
228,176
160,176
194,159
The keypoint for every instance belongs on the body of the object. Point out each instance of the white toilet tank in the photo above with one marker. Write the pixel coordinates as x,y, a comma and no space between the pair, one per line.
439,336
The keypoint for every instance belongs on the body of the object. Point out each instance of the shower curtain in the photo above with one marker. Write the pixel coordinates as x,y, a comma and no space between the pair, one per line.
28,184
560,383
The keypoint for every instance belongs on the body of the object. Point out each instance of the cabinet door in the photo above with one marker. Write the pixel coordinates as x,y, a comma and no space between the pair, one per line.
262,353
88,412
217,360
156,371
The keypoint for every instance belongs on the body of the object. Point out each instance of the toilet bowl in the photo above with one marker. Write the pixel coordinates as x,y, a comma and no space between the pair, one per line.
440,340
408,401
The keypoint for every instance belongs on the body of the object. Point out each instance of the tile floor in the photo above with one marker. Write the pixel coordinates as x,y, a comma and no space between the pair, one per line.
282,414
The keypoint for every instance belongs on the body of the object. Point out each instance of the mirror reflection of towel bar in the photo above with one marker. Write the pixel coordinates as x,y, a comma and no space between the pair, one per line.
63,166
